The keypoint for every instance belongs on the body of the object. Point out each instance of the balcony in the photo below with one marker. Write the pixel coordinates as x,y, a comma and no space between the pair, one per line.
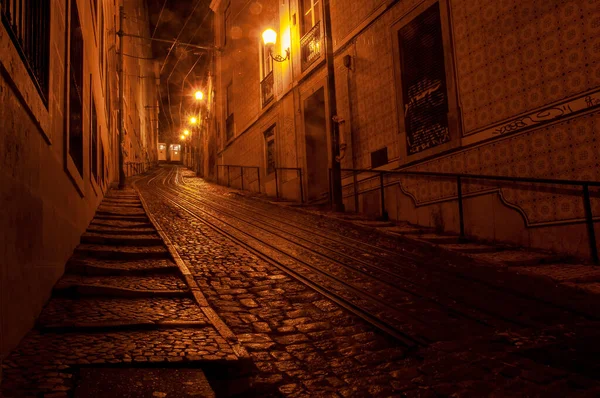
310,46
266,89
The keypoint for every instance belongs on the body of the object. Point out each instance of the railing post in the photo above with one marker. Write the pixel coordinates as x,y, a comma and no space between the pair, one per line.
589,218
276,185
355,192
460,207
301,185
228,180
384,214
258,173
242,176
330,190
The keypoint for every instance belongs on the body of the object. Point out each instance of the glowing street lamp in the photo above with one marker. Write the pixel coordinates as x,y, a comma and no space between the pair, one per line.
269,39
182,137
199,95
193,120
186,133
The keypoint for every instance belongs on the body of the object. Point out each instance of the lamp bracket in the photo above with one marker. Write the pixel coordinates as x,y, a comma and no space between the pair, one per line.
279,58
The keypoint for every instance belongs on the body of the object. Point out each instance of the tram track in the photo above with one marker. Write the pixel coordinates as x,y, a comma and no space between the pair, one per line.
374,308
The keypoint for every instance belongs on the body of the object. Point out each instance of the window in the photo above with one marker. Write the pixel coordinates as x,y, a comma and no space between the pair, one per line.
424,93
76,90
270,150
230,124
28,25
311,14
101,54
93,139
226,21
267,79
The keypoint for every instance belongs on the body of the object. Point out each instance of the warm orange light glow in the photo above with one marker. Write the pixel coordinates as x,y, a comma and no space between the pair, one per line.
269,37
193,120
182,137
186,132
199,95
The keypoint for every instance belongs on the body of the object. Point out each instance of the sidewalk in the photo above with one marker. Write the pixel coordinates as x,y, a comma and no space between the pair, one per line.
124,320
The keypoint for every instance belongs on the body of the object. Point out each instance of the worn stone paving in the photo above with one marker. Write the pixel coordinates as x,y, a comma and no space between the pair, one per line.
119,304
303,344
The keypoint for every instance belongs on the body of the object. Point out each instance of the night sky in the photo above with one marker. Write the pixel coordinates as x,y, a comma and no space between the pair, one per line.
188,22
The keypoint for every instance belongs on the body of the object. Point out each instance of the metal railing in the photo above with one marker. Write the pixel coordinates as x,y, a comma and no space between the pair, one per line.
310,46
28,25
135,168
280,180
459,180
266,89
242,175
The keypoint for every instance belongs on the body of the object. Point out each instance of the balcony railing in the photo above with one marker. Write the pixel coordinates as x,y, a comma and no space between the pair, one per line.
310,46
28,24
266,89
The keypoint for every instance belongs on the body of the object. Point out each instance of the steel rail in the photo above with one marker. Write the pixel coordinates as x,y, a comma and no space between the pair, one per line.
419,260
391,330
461,312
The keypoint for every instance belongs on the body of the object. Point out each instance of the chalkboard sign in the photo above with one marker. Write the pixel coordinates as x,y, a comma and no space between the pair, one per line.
424,89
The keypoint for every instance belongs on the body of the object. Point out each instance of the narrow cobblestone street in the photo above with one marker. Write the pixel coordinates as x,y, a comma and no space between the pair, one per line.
185,288
327,308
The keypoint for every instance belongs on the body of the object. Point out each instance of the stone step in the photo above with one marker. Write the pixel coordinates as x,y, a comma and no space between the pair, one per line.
122,252
120,217
375,224
151,283
519,258
438,239
473,248
99,267
87,312
145,232
121,224
121,240
120,211
88,290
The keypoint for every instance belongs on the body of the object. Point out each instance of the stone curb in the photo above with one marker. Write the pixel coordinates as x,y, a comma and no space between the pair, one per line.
95,270
212,316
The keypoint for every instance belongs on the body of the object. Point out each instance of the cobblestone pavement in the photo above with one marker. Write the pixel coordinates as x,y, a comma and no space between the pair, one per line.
123,303
482,331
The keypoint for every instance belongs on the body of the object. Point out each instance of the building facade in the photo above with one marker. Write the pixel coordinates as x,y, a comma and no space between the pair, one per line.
59,140
502,88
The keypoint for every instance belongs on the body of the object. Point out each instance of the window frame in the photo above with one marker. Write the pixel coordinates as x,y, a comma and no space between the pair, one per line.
454,126
303,28
269,138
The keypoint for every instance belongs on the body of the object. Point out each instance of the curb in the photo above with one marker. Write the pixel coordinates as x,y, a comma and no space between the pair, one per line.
210,313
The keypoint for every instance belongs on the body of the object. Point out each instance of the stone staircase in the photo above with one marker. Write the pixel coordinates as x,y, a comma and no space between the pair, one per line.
122,302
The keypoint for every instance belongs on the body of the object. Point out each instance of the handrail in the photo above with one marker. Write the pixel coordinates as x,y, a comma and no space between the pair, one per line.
480,177
459,177
242,168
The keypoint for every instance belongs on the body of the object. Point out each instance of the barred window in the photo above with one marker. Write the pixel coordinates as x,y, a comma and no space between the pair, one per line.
270,150
76,90
28,25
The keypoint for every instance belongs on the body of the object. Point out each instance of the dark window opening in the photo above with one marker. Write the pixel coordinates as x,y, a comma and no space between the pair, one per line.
76,90
94,140
28,25
379,158
424,91
311,14
270,150
230,123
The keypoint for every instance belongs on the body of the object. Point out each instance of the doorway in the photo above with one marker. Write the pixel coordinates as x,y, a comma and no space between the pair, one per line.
317,155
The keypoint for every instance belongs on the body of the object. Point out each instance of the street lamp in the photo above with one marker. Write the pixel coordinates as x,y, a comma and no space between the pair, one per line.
182,137
193,120
199,95
186,133
270,38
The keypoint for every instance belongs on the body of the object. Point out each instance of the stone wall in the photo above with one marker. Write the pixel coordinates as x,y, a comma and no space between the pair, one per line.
46,204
